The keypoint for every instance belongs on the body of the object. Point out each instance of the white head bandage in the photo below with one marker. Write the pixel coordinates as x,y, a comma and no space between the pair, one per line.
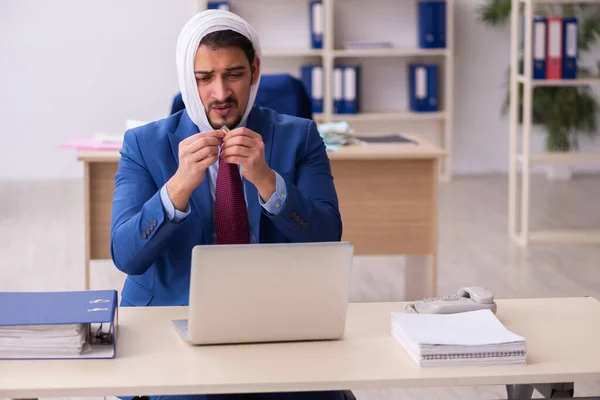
193,32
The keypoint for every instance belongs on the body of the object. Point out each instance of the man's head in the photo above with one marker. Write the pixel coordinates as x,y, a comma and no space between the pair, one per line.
225,67
218,64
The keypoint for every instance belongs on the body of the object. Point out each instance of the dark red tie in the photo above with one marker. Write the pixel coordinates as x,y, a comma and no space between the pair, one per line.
230,207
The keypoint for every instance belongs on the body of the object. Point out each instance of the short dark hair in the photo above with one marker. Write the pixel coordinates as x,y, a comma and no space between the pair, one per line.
228,38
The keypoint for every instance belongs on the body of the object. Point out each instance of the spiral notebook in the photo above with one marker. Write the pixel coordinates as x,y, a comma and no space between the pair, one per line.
469,338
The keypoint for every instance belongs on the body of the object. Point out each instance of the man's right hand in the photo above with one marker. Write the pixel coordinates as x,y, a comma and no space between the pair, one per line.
196,154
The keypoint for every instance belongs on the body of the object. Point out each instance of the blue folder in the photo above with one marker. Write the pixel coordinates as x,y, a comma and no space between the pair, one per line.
338,89
312,78
424,87
96,310
316,24
570,48
540,46
440,26
351,89
219,5
432,24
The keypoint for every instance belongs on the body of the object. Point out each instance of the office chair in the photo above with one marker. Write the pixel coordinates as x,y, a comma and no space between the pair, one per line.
177,104
280,92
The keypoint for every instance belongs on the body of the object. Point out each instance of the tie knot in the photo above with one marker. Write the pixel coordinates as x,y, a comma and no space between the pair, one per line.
225,166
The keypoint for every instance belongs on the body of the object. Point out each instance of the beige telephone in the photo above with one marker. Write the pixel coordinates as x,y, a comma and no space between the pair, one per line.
469,298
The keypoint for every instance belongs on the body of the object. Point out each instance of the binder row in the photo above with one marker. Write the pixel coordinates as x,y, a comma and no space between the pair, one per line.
424,87
345,87
432,24
423,78
317,20
554,47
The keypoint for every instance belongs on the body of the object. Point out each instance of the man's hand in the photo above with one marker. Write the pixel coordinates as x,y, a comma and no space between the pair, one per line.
196,154
245,147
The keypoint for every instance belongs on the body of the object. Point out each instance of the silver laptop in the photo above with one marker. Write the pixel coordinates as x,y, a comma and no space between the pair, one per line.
267,293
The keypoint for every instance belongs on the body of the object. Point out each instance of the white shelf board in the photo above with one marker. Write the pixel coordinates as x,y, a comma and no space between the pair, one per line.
292,53
557,1
391,116
592,80
563,158
565,236
389,52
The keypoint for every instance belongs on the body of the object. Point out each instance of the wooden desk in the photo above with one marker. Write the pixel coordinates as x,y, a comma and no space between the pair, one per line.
387,195
152,359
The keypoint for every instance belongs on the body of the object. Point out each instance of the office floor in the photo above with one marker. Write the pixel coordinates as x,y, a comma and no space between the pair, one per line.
41,231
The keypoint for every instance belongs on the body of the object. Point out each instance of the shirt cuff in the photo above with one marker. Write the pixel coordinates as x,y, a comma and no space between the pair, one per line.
278,200
173,215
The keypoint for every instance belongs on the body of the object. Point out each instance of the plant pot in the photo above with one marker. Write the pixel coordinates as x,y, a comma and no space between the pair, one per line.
559,173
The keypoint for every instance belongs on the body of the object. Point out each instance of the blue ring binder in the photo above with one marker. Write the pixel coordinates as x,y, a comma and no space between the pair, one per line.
58,325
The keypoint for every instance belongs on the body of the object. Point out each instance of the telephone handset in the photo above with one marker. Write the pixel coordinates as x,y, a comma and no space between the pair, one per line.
468,298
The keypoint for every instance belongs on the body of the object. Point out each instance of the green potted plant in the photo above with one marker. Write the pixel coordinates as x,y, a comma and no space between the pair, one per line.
564,112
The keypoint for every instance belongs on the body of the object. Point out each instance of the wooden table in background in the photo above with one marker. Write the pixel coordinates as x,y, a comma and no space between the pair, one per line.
387,195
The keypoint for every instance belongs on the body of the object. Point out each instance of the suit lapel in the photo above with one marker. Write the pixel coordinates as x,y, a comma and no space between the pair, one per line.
259,125
201,200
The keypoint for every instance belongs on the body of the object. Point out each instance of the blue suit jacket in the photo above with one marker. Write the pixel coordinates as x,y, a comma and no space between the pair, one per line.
156,253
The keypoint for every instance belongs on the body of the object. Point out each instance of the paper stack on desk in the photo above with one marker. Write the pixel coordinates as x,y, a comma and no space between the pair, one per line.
43,341
468,338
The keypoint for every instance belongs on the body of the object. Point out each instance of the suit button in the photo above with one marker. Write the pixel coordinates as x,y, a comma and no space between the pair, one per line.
293,214
154,223
144,236
304,224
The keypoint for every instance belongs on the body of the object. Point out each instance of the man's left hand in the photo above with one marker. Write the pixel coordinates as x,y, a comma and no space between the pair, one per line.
245,147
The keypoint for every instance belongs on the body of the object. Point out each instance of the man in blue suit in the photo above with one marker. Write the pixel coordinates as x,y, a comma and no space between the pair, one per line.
222,171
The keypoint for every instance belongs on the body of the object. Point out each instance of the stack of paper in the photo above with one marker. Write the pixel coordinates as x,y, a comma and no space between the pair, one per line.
334,134
468,338
43,341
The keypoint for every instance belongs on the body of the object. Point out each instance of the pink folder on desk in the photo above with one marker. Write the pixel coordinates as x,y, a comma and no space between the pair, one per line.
90,144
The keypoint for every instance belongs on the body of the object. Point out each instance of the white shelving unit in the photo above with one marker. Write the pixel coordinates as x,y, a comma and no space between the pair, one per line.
520,142
388,116
391,52
330,55
292,53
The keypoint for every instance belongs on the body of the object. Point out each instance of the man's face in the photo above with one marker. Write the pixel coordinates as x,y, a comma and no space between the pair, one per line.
224,77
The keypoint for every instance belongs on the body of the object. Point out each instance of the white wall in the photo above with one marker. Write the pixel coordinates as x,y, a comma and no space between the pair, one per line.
70,68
